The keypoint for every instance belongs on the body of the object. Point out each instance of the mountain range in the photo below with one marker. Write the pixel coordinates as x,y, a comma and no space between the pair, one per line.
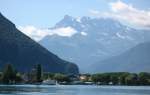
136,59
96,39
24,53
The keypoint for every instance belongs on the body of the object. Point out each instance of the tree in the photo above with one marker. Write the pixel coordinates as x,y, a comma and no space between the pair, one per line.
8,74
114,79
96,78
61,78
131,79
105,78
144,78
38,73
122,77
1,77
48,75
18,78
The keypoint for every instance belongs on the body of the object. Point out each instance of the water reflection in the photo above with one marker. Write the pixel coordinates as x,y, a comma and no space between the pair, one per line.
73,90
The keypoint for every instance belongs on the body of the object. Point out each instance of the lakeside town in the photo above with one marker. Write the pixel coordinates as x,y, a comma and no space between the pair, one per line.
38,77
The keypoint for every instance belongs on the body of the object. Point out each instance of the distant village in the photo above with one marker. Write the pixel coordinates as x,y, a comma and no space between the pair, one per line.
37,76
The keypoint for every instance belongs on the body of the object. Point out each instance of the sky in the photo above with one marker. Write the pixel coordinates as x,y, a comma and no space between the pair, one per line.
46,13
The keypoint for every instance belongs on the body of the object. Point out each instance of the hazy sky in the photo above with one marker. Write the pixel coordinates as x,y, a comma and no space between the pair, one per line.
45,13
33,17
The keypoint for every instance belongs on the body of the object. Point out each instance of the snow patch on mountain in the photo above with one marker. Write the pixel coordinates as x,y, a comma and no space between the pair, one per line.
120,36
78,19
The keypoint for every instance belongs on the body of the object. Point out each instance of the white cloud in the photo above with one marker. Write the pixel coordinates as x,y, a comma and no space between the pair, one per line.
120,6
128,13
95,12
64,31
33,32
37,33
84,33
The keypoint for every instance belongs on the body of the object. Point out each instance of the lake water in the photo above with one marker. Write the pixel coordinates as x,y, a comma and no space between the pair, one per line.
73,90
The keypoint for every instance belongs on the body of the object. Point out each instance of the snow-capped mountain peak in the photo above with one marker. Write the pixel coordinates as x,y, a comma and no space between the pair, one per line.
103,37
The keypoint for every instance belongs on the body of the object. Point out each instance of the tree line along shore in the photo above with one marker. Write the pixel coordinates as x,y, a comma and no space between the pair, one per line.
36,76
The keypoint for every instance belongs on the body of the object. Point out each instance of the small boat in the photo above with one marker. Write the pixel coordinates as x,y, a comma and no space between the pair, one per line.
49,82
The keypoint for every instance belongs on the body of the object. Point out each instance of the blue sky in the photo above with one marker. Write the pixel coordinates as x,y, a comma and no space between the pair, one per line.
33,17
45,13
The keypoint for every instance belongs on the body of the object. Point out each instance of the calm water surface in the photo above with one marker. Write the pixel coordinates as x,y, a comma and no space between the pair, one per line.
73,90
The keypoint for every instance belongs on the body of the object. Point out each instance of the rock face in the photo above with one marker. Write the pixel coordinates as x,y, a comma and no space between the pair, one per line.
24,53
96,39
136,59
